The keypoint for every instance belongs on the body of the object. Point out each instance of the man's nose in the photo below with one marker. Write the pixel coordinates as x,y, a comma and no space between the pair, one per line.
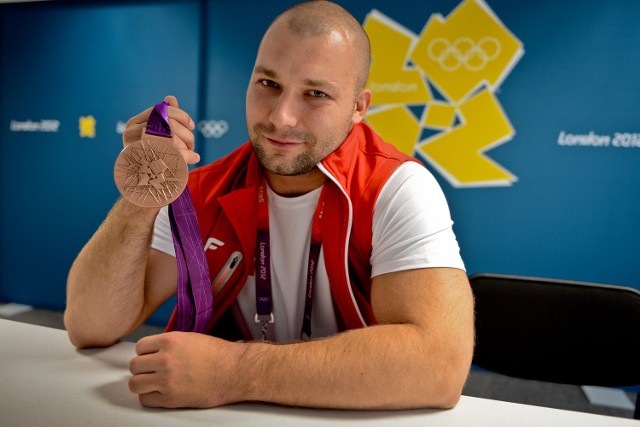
285,112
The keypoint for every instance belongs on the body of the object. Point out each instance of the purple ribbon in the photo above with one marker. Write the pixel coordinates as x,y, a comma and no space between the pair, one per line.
158,121
312,267
264,303
195,301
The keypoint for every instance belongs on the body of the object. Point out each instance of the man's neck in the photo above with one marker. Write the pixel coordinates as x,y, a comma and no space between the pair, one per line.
292,186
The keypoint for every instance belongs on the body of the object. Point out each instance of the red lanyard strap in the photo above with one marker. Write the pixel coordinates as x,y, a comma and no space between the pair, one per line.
264,300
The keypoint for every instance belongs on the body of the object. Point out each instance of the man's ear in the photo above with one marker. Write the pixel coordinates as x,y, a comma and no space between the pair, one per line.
363,101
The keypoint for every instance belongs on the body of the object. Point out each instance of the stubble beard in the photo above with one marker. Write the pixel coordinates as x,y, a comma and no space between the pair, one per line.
316,150
299,165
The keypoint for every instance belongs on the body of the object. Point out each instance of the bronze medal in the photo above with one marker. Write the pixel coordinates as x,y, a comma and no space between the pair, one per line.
150,172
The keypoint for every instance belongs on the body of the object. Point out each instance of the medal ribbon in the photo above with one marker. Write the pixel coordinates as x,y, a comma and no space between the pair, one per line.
264,301
195,300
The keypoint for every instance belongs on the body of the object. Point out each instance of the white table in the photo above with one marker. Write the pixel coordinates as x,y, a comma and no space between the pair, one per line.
45,381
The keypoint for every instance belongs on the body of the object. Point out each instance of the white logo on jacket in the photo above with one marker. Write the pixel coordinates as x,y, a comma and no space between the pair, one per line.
213,244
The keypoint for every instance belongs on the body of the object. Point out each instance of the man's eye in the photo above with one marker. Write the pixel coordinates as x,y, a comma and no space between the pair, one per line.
269,83
318,94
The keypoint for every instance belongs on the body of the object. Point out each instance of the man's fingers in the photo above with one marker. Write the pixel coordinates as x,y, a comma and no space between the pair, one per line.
149,344
181,117
181,124
135,126
144,364
175,113
152,400
140,118
172,100
183,134
132,133
142,384
190,157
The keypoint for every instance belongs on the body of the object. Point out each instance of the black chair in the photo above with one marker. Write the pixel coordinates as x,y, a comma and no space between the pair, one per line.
558,331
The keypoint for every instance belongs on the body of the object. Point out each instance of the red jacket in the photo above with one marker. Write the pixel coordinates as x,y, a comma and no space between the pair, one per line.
224,194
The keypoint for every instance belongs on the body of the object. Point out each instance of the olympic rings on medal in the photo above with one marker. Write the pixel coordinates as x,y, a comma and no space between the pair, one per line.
463,52
213,128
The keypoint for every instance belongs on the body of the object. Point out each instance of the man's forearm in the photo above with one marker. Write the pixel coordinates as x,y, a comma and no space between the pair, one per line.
381,367
105,287
419,356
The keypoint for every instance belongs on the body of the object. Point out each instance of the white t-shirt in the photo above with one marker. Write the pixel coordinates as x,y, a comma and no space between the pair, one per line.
412,228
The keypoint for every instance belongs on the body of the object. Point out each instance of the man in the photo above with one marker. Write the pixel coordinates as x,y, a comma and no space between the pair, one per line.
389,259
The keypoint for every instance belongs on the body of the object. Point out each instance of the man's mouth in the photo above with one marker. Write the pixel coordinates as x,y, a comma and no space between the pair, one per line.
283,143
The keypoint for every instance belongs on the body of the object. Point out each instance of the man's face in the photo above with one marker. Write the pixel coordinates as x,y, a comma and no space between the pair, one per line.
300,100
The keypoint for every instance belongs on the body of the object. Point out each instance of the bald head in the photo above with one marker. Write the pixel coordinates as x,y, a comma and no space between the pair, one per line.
325,19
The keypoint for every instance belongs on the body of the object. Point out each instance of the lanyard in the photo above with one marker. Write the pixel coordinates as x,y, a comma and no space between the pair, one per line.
195,300
264,301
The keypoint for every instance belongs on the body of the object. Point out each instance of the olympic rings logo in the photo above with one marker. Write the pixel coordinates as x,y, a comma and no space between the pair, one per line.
463,52
213,128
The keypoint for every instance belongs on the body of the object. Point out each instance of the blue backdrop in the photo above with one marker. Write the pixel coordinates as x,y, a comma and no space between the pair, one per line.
72,73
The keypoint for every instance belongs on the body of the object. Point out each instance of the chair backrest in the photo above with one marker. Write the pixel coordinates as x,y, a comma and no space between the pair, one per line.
557,331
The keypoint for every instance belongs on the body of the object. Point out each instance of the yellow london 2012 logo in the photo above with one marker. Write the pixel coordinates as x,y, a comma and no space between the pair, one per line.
463,59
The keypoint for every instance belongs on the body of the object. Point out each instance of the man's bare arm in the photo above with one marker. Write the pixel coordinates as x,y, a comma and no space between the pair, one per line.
117,280
419,356
106,293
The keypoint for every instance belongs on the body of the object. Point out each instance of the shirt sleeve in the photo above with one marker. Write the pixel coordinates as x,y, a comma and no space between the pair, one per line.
412,226
162,239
